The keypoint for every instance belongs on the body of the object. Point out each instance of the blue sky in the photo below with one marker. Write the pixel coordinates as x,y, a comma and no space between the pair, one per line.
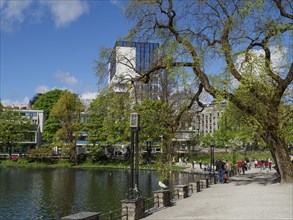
48,44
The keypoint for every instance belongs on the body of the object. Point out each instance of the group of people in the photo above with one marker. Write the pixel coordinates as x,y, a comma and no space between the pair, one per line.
183,160
224,168
263,164
242,166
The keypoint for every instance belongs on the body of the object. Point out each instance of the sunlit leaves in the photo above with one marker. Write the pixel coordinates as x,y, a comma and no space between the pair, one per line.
13,128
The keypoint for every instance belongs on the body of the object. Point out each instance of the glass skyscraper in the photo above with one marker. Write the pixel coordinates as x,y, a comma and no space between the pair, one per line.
127,59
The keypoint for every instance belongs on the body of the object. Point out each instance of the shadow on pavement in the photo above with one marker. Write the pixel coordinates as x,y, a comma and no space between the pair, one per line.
255,178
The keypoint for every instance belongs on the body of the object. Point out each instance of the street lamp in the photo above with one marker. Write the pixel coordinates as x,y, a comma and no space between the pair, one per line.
134,193
234,161
212,150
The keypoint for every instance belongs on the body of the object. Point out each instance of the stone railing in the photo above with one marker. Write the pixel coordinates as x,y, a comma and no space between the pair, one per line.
134,209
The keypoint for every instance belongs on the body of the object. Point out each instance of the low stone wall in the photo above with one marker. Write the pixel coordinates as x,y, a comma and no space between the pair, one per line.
134,209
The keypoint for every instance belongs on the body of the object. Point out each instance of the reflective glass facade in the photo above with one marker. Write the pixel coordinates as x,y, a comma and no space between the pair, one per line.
146,54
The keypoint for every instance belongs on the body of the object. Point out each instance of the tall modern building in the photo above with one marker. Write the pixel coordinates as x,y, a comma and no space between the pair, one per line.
127,60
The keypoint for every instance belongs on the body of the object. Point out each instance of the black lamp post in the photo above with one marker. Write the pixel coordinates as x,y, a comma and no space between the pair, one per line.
212,150
234,161
134,157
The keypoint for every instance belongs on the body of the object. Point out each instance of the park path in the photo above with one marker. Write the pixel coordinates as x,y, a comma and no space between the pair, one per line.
254,195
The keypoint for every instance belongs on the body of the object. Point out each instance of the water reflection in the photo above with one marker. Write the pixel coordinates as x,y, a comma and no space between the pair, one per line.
50,193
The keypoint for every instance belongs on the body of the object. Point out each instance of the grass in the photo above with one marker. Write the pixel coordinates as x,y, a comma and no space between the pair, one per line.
229,156
28,162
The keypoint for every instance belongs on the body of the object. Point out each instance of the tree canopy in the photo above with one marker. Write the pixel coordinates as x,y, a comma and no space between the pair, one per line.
14,127
227,45
67,112
46,101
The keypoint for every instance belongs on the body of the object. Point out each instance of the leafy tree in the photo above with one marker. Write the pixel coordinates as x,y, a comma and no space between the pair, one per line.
13,128
108,121
34,99
50,128
237,128
67,111
197,35
1,106
46,101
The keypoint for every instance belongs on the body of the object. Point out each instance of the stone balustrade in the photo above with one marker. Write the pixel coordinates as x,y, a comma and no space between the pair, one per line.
133,209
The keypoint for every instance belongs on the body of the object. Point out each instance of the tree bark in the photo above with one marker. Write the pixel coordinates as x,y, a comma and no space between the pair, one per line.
281,156
285,165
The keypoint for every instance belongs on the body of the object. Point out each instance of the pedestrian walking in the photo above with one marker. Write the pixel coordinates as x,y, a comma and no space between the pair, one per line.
243,166
200,164
221,169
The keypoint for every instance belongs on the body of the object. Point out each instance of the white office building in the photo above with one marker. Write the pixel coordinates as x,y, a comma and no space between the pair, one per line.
126,61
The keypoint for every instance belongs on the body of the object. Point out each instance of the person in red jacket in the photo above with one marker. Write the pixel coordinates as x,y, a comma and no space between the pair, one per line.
239,166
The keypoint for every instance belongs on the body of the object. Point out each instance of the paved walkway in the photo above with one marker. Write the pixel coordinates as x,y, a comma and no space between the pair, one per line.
254,195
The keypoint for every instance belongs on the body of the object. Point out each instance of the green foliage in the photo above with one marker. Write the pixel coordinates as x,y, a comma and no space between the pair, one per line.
96,155
47,101
245,39
67,111
155,120
14,127
42,152
108,121
237,129
50,129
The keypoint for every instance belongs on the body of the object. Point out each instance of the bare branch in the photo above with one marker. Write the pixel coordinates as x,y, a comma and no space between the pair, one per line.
282,10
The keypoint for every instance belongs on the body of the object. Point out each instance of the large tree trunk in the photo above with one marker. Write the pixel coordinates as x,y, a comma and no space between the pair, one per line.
275,160
285,165
282,157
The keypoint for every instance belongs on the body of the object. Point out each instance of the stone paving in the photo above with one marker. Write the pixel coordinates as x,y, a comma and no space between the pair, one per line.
255,195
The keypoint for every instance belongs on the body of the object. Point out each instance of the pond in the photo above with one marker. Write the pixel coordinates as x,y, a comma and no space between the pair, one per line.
50,193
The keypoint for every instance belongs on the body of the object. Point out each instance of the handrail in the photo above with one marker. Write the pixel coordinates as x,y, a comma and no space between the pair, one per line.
150,203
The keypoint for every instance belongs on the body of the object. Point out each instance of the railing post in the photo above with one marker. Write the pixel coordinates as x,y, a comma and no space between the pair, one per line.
191,188
135,209
195,186
182,191
164,197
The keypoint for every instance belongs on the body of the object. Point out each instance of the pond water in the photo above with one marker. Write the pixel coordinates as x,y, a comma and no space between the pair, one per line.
50,193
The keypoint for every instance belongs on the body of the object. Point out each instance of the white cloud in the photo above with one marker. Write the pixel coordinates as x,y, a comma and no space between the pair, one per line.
256,63
64,12
8,102
42,89
66,77
2,2
14,13
88,95
119,3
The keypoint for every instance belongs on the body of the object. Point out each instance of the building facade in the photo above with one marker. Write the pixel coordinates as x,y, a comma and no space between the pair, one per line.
200,124
34,137
207,121
127,60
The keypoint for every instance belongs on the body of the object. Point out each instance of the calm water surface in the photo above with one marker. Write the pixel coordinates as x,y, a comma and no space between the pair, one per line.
50,193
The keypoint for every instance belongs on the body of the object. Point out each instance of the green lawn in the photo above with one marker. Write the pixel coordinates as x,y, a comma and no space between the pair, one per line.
28,162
